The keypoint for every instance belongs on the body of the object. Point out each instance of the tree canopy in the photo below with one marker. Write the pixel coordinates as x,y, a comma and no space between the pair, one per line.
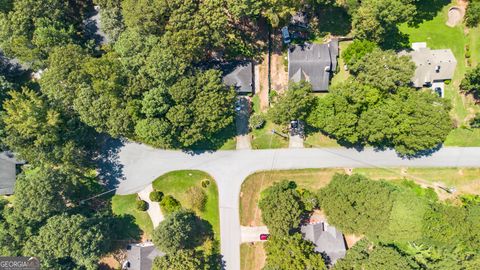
295,104
471,83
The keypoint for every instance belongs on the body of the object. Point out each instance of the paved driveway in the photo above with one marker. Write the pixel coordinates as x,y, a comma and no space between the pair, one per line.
142,164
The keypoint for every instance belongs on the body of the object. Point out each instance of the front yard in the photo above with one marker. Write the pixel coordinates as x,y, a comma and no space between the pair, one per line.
124,205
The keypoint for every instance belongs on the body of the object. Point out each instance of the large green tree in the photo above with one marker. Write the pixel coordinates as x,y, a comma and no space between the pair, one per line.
295,104
471,83
292,252
356,204
180,230
384,70
67,242
281,207
180,260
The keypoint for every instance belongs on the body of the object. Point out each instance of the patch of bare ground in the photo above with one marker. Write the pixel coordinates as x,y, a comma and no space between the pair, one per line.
352,239
252,256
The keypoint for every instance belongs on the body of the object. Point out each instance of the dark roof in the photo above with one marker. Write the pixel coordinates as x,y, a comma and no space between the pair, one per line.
313,63
7,173
327,239
141,256
240,76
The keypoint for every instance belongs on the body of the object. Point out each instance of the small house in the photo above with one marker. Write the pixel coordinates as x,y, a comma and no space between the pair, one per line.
140,256
240,76
327,239
314,63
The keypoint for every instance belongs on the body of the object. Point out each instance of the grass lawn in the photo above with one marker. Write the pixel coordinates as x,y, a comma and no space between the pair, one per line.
252,256
466,180
318,139
264,138
440,36
177,183
342,74
124,205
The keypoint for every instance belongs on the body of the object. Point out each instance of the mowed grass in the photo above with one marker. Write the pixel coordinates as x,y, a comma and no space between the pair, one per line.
440,36
124,205
264,138
318,139
466,180
177,183
342,74
252,256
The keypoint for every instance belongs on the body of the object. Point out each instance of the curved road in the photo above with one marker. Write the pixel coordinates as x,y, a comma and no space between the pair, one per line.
142,164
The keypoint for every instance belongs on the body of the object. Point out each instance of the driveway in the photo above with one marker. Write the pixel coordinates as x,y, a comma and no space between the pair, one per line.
142,164
252,234
241,122
153,207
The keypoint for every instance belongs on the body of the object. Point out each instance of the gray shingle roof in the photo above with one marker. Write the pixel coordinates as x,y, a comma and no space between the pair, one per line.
327,240
241,77
432,65
7,173
314,63
141,256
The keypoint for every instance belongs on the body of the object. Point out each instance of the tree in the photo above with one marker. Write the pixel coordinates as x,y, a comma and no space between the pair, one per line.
471,83
169,205
472,15
384,70
67,242
374,20
475,123
180,260
196,198
281,207
366,255
39,194
356,204
357,50
295,104
111,18
39,133
178,231
292,252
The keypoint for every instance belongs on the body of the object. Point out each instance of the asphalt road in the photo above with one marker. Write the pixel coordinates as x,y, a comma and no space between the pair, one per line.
142,164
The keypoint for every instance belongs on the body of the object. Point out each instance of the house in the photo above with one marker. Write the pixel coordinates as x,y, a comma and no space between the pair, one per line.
314,63
327,239
140,256
240,76
9,167
433,67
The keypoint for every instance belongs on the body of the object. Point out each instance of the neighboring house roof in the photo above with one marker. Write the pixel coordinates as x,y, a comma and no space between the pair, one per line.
8,172
313,63
240,76
140,256
431,65
327,239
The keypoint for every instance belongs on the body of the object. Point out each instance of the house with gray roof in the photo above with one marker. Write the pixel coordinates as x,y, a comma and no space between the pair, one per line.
433,67
9,166
140,256
240,76
314,63
327,239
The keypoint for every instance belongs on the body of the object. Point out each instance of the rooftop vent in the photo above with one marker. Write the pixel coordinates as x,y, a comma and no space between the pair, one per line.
437,69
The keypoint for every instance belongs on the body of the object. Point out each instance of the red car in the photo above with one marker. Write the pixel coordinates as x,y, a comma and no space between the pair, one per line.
264,236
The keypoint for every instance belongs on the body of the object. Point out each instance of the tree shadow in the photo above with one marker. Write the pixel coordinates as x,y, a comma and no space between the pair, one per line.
214,142
357,146
110,170
124,228
427,10
334,20
395,40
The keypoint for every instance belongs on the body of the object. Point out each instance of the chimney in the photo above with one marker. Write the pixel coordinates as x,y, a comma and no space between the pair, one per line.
437,69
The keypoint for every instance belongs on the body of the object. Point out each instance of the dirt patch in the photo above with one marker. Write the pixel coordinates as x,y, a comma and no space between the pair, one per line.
109,263
455,16
352,239
252,256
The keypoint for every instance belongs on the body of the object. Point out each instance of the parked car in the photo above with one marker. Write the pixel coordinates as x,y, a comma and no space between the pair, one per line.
286,35
264,236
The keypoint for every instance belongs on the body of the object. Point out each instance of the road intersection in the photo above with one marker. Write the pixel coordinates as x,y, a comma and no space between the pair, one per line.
142,164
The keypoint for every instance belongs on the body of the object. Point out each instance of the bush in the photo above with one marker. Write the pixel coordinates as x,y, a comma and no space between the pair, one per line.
447,82
257,121
205,183
196,198
357,50
156,196
169,205
472,15
141,205
475,123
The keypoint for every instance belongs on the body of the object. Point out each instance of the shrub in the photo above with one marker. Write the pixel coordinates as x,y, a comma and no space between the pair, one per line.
196,198
169,205
156,196
357,50
141,205
472,15
475,123
447,82
205,183
257,121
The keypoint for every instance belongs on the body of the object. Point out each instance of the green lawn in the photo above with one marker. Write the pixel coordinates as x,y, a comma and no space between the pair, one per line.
466,180
177,183
440,36
124,205
318,139
264,138
342,74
